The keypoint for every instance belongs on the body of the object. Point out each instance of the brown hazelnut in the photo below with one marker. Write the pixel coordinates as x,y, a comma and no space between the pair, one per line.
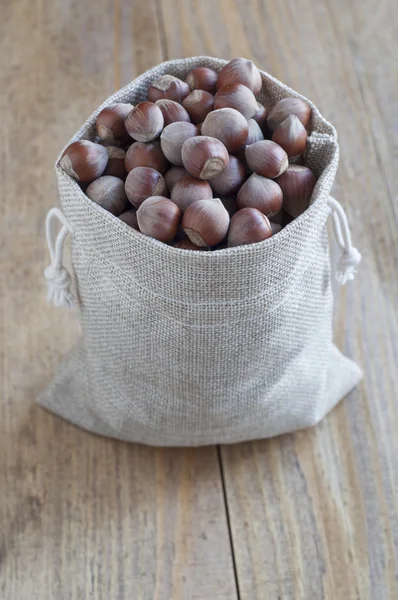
145,122
173,175
230,204
172,111
275,227
84,161
142,183
198,105
189,189
159,217
236,96
115,165
108,192
227,125
286,107
172,139
248,226
297,184
186,244
240,70
110,124
168,86
130,218
261,193
266,158
231,179
202,78
206,222
276,218
291,135
147,154
260,116
255,133
204,157
297,160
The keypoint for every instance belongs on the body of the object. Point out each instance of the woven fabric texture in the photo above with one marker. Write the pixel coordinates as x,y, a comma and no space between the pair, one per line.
190,348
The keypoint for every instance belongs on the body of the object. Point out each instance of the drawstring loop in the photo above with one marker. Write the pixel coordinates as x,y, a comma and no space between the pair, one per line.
58,279
349,256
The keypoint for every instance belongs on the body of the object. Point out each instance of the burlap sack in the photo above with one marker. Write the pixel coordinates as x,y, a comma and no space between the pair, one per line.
190,348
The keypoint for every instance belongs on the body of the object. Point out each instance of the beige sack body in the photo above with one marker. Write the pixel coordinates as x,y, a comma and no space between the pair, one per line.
190,348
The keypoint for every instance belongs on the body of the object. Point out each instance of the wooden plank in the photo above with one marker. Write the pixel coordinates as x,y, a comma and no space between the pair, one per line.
370,29
314,515
81,516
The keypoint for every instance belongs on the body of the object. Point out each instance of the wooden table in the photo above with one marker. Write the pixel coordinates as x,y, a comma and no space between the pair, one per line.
305,516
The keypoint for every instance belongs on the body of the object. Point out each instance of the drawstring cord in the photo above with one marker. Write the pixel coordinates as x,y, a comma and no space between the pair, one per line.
349,256
58,279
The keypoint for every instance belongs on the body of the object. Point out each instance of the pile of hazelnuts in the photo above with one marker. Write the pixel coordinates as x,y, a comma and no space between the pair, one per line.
201,164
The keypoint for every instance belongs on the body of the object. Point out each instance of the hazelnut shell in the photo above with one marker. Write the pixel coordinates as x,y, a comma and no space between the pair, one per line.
142,183
206,222
108,192
204,157
248,226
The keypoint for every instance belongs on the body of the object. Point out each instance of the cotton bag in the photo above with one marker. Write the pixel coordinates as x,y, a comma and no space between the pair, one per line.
190,348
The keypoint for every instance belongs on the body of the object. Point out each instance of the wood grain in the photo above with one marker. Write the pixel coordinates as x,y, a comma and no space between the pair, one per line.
81,516
314,515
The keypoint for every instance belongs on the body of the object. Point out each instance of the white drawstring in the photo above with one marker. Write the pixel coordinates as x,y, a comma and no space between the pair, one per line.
58,279
349,257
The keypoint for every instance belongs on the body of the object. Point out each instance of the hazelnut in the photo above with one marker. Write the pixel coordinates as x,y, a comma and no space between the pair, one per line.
286,107
142,183
248,226
159,217
240,70
110,124
297,184
260,116
172,139
204,157
231,179
202,78
266,158
108,192
130,218
189,189
115,165
173,175
84,161
236,96
291,135
297,160
198,105
276,218
275,227
145,122
227,125
147,154
255,133
172,111
261,193
230,204
186,244
170,87
206,222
